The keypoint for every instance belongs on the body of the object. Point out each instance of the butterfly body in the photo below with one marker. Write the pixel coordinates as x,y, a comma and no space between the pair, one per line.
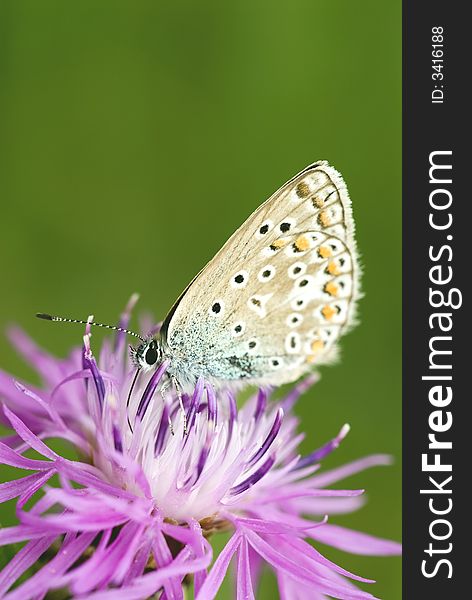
275,299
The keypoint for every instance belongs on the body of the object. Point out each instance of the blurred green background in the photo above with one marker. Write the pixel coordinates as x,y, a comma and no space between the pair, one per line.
126,126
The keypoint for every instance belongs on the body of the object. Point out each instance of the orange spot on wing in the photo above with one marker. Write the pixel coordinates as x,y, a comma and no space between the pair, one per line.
317,346
328,312
280,243
302,243
324,252
317,202
333,268
331,288
323,219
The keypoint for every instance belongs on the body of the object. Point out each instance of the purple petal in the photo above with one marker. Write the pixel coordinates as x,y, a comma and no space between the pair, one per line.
46,578
298,390
199,579
269,439
45,406
261,404
33,488
283,585
90,568
163,430
28,436
139,563
133,470
12,396
255,566
205,451
329,477
198,546
311,555
254,478
215,578
123,324
23,560
192,537
211,404
82,374
83,474
278,560
331,506
74,522
269,527
287,517
117,440
149,583
21,533
14,459
12,441
111,564
195,403
244,581
289,589
151,388
233,408
46,365
90,363
17,487
296,571
85,501
302,492
233,413
355,541
322,452
172,587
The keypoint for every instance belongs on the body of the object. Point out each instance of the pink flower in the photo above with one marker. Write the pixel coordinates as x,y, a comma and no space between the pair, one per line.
141,504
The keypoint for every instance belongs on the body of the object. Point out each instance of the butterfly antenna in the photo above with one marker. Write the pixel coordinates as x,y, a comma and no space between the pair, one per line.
48,317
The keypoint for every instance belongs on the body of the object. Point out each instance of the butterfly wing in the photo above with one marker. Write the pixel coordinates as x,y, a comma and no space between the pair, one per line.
277,296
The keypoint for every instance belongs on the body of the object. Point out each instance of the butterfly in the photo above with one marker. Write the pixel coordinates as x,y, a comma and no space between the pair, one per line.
274,301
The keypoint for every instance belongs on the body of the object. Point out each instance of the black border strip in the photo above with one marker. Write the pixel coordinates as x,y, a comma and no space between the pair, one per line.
435,127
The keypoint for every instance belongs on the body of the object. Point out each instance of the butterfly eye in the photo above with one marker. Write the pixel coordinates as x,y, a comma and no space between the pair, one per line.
151,355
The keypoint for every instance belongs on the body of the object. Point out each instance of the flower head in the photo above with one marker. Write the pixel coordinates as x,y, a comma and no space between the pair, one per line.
134,514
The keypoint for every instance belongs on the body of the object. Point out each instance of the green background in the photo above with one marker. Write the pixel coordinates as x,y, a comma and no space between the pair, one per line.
136,136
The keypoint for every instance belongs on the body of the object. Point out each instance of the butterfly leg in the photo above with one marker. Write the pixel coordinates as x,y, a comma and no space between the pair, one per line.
129,397
178,391
165,386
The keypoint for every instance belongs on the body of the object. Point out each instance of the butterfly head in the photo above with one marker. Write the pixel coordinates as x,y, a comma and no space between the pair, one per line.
147,355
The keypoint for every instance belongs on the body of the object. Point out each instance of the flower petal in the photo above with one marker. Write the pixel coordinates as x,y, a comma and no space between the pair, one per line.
355,541
244,582
149,583
17,487
22,561
215,578
302,492
111,563
46,365
312,555
139,562
8,456
296,571
28,436
335,475
50,575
